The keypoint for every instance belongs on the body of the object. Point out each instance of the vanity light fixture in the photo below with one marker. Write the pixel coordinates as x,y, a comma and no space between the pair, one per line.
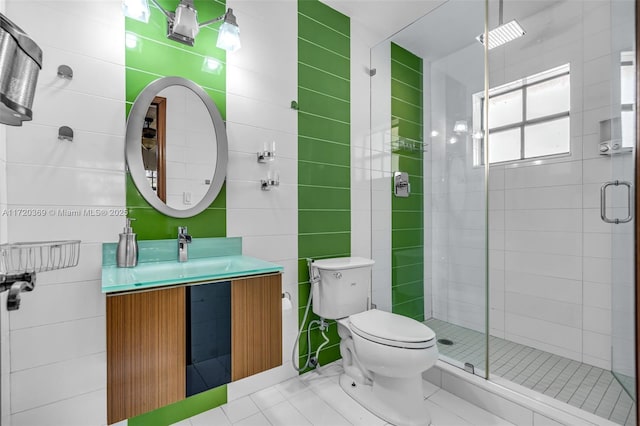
136,9
183,26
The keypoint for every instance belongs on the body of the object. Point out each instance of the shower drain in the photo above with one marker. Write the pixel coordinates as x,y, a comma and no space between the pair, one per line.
445,342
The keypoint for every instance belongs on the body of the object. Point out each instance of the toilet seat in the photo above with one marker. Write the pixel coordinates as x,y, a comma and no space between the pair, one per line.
392,329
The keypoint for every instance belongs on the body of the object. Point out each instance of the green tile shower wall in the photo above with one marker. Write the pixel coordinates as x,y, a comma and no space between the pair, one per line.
150,55
407,218
324,181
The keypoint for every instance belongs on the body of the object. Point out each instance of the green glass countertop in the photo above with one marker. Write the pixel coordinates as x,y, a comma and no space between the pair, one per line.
158,274
210,259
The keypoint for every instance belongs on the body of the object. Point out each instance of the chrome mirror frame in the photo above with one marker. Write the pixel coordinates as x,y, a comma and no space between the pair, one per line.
133,152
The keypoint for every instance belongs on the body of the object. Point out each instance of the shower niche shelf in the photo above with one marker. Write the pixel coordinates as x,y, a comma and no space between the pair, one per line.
406,144
19,263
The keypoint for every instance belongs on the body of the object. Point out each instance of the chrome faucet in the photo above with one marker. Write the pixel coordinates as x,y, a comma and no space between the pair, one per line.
183,240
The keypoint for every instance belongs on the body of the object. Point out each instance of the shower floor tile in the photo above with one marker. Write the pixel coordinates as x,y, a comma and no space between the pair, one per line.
589,388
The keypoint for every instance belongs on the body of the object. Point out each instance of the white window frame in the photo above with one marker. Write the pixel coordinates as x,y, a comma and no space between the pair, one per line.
522,84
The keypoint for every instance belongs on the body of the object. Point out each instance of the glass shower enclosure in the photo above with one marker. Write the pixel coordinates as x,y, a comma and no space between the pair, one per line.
513,240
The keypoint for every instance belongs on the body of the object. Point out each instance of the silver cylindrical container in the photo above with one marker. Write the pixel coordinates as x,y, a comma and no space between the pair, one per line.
127,251
20,63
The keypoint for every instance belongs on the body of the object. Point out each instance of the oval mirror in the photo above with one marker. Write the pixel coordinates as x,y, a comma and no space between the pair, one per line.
176,147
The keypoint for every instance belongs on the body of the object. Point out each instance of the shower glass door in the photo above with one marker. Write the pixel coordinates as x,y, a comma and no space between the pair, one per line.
430,242
619,193
561,141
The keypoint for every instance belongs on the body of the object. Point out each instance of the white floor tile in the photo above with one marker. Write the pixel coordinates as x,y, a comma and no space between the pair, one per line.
316,399
257,419
211,417
184,422
267,398
314,380
292,387
240,409
443,417
348,408
471,413
428,389
316,410
285,414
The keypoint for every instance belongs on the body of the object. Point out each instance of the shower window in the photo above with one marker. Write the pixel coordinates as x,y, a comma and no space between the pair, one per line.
529,118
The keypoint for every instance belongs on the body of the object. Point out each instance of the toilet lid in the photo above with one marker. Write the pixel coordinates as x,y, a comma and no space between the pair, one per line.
392,329
340,263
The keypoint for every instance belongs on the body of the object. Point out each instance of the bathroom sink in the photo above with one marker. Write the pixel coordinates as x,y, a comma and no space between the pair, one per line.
157,274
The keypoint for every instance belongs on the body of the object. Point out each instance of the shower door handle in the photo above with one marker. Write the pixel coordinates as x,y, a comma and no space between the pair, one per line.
603,202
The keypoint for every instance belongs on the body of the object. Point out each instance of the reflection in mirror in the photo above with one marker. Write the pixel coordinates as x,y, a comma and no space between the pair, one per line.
154,146
176,147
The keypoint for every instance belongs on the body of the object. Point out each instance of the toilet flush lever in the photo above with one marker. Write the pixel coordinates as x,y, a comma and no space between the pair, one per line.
337,275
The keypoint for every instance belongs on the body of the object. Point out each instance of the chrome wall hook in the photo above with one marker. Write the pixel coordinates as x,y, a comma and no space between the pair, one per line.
65,133
65,71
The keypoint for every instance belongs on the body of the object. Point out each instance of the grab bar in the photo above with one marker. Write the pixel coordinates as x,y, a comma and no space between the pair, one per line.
603,202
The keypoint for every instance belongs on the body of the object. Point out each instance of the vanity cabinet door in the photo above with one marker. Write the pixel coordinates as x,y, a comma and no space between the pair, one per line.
145,351
256,325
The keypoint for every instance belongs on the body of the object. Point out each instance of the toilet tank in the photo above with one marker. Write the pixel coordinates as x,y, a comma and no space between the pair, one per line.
343,287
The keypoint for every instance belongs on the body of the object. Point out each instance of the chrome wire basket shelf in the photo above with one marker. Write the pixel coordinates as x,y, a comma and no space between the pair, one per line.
24,258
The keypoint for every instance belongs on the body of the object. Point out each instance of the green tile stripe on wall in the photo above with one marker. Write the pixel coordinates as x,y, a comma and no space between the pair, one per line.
181,410
324,153
150,55
407,216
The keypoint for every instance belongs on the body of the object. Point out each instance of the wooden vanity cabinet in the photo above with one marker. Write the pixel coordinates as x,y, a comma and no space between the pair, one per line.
145,351
256,325
146,342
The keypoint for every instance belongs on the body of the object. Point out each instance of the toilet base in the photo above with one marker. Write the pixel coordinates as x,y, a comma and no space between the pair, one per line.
398,401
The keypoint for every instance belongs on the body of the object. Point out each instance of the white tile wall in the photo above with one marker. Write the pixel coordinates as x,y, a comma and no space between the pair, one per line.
361,42
3,174
380,165
39,386
55,342
5,364
57,350
457,196
261,83
5,359
89,409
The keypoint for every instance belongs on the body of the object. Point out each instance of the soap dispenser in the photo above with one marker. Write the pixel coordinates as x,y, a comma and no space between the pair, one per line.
127,253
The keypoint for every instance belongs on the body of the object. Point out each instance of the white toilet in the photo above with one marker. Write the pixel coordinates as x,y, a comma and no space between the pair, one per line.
383,354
